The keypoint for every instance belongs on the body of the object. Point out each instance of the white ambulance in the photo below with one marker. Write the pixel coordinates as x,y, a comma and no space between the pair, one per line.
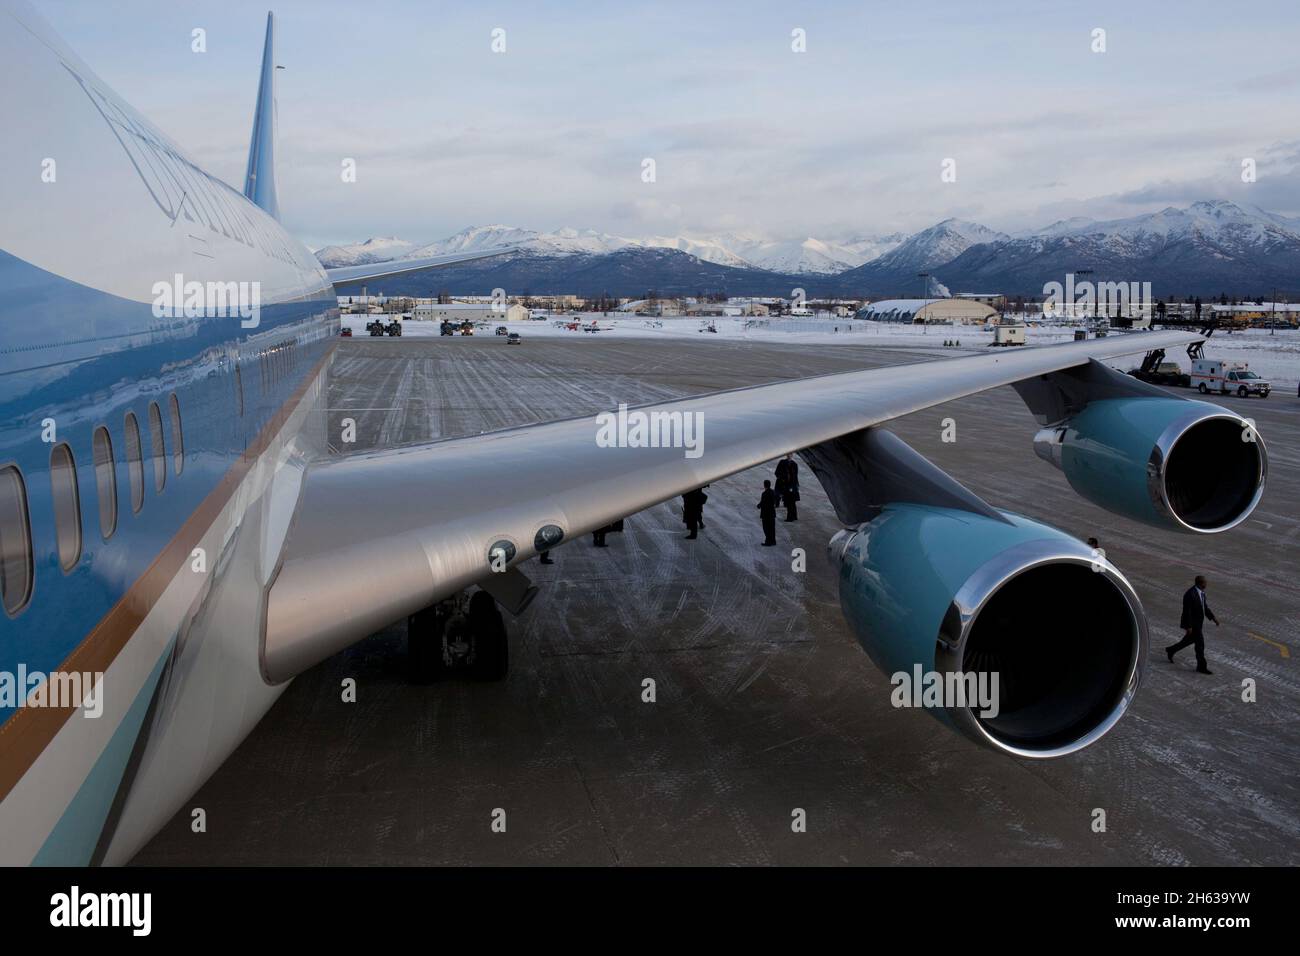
1227,378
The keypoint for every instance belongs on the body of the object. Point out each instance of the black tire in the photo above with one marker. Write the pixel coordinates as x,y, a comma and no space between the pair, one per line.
491,644
1202,389
424,661
491,656
1242,391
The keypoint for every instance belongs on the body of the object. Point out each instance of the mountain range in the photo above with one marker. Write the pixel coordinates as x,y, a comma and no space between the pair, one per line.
1208,248
736,249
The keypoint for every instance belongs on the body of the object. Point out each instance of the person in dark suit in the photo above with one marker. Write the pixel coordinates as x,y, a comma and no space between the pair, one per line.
787,486
767,514
1195,611
693,511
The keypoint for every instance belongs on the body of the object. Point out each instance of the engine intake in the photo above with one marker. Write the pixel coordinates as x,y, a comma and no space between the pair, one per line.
1186,465
957,592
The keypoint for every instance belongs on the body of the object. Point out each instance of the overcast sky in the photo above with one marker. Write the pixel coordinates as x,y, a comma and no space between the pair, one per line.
844,139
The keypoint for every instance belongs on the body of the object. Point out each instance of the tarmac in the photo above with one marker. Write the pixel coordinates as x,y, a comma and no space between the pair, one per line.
764,702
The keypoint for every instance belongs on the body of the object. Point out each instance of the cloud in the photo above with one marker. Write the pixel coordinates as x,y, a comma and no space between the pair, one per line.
747,135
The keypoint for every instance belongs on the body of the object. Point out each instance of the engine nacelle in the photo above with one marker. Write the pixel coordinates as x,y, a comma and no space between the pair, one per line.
958,592
1185,465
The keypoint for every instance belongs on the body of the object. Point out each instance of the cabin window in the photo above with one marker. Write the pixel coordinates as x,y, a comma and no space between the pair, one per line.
105,482
156,449
134,462
178,438
15,542
67,505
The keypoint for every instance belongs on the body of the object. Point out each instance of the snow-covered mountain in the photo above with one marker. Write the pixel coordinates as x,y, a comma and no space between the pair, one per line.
742,251
810,255
378,249
895,272
1209,247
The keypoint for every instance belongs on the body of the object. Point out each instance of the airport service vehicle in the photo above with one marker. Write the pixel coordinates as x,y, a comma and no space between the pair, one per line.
206,436
376,327
502,330
1007,335
394,327
1162,373
513,339
1216,375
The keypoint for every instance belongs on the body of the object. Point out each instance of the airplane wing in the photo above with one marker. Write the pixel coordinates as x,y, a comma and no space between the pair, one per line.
393,531
350,275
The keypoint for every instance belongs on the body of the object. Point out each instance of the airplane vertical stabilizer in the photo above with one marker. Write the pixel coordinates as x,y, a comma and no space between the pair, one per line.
259,181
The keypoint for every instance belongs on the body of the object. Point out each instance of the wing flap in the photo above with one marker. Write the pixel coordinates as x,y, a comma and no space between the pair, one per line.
380,535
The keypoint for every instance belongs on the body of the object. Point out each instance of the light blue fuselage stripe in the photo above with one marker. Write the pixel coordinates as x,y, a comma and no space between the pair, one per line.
73,839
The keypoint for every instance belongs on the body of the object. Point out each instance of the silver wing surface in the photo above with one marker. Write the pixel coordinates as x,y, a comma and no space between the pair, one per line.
380,535
347,275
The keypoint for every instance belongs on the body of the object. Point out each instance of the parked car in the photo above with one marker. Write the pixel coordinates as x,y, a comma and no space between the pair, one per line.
346,332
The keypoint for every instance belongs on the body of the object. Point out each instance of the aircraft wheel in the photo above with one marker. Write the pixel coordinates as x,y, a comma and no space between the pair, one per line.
424,661
491,644
491,657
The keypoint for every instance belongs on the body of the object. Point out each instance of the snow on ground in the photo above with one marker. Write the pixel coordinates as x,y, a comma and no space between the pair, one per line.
1274,356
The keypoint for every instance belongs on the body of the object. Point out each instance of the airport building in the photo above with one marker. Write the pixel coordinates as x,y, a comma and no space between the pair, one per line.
995,299
1259,314
928,311
470,312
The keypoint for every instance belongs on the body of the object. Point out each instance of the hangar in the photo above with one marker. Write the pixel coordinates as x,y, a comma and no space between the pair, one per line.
928,311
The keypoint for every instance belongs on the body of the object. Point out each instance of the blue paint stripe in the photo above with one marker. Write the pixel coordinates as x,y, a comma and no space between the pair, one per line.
73,839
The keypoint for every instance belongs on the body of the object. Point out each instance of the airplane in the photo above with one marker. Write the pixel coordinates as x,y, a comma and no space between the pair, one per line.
173,525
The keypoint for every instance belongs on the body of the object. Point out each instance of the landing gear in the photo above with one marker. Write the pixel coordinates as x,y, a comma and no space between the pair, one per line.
464,634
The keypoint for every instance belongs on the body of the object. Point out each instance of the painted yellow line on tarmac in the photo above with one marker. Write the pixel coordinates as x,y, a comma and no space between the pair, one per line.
1286,651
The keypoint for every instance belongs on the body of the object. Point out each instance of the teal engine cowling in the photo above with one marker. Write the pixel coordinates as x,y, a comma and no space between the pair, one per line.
954,592
1185,465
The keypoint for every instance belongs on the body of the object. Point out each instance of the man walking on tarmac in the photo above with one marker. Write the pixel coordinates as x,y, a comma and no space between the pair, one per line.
1195,611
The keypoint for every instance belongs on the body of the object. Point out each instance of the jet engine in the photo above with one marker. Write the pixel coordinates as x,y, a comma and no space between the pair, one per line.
950,591
1184,465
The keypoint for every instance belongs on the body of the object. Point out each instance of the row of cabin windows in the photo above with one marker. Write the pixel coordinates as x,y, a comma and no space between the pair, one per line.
273,364
16,562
